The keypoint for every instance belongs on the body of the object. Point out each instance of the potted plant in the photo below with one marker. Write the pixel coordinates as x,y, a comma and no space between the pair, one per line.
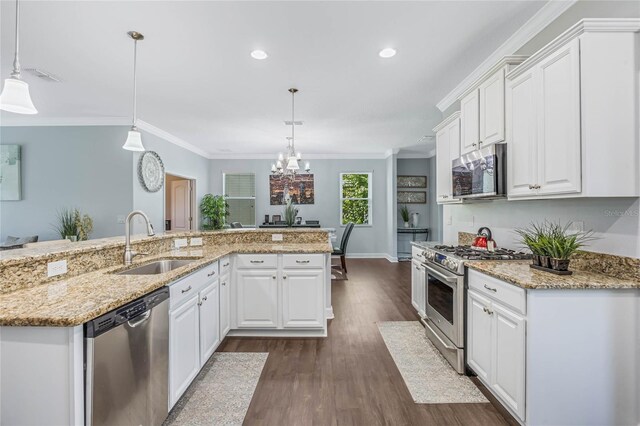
67,226
404,213
214,209
84,225
290,213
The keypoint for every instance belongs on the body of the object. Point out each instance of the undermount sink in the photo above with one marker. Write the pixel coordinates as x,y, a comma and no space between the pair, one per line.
157,267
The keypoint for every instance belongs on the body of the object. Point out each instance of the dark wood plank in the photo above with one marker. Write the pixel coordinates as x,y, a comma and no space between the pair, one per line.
349,378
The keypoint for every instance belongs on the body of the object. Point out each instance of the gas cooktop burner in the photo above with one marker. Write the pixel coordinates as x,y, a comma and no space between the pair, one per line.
452,257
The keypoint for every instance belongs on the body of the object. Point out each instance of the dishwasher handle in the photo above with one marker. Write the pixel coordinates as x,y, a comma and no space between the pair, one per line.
139,319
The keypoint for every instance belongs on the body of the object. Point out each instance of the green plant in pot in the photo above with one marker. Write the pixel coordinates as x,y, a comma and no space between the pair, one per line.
67,226
290,213
404,213
214,209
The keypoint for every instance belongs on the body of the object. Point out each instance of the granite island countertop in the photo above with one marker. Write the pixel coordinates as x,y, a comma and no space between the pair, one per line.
78,299
518,272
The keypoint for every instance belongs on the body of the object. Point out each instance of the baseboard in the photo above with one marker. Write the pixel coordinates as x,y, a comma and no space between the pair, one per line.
329,313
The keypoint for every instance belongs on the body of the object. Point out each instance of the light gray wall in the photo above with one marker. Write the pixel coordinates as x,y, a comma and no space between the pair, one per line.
68,167
177,161
392,210
616,221
364,240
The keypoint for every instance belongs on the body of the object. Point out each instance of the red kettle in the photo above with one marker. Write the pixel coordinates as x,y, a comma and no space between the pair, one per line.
482,238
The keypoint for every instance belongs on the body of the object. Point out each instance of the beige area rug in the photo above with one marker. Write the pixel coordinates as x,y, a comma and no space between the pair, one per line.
222,392
428,376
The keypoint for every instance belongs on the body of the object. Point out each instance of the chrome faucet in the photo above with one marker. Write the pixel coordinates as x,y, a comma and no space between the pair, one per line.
128,253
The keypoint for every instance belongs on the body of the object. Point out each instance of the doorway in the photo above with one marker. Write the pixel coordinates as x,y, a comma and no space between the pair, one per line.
179,210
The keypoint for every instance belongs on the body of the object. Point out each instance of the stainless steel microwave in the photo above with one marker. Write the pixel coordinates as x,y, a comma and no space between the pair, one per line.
480,173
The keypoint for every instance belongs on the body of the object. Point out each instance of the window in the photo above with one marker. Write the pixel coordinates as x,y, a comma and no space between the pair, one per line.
355,198
240,193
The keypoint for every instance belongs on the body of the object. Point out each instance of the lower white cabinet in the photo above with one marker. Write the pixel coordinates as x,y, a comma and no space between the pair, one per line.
418,288
225,304
496,349
257,298
184,347
302,301
209,321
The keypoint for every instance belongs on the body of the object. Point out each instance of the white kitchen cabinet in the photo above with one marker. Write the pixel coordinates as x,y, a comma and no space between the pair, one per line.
491,110
302,298
209,304
479,348
470,121
225,304
418,287
257,298
568,133
184,347
447,150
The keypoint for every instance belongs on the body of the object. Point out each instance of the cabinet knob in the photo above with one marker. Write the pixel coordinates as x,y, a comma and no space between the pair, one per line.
224,283
204,298
284,277
474,144
273,276
487,310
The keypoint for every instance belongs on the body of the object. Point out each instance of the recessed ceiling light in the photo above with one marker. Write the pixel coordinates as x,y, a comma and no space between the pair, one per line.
387,53
259,54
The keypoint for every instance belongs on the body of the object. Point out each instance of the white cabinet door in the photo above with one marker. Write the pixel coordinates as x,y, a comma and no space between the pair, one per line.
479,342
302,298
559,154
225,306
508,378
257,298
492,109
453,130
209,321
521,136
184,348
469,122
415,284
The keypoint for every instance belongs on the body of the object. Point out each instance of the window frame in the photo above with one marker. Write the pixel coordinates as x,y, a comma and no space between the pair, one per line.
369,198
226,197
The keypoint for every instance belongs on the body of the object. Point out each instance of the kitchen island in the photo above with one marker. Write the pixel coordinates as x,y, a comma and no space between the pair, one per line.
265,284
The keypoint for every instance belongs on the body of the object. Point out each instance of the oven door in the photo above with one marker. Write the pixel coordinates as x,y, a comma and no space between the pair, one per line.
444,294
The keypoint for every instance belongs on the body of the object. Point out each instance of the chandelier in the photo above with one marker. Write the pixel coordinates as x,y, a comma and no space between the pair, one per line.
288,164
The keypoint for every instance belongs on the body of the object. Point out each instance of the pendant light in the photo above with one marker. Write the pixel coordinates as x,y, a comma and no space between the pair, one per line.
15,95
134,139
289,164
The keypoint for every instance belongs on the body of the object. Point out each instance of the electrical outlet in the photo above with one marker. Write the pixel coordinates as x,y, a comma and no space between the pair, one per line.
276,237
120,219
180,242
56,268
449,220
195,241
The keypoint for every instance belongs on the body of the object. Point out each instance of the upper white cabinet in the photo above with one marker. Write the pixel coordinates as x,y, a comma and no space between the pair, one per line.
572,115
482,108
447,150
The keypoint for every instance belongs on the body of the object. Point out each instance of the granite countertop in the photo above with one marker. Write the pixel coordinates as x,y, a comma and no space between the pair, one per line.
76,300
520,274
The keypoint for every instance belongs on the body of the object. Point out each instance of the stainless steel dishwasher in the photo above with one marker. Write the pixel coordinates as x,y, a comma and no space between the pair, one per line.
127,363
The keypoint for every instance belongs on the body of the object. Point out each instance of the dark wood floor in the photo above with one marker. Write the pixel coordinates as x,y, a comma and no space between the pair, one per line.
349,377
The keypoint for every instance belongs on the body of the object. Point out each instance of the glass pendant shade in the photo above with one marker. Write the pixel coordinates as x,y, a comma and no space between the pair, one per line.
15,97
134,141
293,164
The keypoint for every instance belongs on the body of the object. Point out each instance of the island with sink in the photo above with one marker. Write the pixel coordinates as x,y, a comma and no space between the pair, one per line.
186,291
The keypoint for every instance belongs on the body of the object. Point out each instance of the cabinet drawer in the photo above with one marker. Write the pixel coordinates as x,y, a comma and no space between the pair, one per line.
225,264
505,293
256,261
302,260
184,288
417,253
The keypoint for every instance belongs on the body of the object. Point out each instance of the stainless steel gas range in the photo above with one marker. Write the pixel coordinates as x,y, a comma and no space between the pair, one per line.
445,295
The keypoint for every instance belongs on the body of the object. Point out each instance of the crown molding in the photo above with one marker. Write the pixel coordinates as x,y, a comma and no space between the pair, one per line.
272,157
547,14
415,155
584,26
502,63
18,120
444,123
156,131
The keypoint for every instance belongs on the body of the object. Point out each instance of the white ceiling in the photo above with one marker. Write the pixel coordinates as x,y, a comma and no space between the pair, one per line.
197,81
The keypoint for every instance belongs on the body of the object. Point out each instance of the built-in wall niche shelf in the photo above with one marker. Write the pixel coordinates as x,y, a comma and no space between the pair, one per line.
412,182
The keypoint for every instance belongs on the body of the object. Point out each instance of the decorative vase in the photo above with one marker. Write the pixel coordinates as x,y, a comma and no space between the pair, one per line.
415,218
545,261
72,238
560,264
406,224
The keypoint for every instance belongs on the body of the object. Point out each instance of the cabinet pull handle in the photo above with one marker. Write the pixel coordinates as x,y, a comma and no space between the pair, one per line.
225,265
204,298
474,144
211,273
490,289
186,289
536,186
487,310
302,261
257,261
199,303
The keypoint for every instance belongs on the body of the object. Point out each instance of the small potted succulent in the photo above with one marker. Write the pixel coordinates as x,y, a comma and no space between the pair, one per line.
404,213
290,213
